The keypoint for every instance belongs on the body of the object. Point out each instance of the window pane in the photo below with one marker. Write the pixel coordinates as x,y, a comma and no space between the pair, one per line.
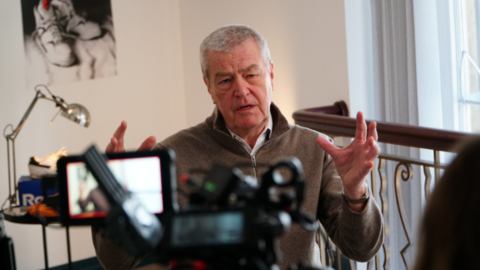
470,41
473,114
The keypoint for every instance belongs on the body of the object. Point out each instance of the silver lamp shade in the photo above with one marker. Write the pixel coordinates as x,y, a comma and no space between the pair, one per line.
77,113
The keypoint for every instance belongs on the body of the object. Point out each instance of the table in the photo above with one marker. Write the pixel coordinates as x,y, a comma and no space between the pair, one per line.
17,214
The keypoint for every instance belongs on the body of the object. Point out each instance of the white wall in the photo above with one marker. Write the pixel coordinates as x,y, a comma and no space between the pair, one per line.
159,87
306,39
147,92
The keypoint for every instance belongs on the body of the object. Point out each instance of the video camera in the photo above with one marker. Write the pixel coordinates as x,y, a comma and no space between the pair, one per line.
227,224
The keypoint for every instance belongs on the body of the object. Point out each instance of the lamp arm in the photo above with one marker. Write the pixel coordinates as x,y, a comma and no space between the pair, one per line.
39,95
15,132
12,196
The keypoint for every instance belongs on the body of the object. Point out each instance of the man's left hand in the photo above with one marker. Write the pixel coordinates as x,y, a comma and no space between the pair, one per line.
355,161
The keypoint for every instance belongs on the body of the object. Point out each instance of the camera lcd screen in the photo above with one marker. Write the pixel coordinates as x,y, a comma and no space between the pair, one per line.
207,229
140,176
148,175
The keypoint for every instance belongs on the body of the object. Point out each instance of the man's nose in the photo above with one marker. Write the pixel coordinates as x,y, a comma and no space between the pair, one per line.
241,87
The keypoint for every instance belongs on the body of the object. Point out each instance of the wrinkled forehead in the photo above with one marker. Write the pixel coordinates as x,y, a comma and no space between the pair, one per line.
245,54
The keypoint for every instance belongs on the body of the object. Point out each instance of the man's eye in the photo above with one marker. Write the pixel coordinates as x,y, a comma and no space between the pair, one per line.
224,81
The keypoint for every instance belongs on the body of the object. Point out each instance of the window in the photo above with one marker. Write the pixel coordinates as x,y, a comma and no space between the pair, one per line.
466,21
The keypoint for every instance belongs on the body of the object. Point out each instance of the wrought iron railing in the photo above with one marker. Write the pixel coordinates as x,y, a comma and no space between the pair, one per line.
334,121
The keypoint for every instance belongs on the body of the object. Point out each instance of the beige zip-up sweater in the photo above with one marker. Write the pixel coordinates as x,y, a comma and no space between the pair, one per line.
358,235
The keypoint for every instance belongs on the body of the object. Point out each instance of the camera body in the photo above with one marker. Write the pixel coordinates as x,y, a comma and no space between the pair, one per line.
237,225
234,238
227,224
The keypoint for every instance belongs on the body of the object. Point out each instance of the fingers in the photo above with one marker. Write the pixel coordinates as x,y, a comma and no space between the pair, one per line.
148,144
361,131
372,130
374,150
116,142
120,132
115,146
112,146
327,146
372,141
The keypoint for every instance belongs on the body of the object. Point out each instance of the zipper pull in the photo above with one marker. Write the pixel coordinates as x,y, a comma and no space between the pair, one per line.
254,165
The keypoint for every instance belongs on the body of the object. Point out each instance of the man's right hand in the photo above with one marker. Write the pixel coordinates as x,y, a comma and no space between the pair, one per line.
117,143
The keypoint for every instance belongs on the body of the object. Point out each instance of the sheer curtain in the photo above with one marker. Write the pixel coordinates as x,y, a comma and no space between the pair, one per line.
405,59
395,100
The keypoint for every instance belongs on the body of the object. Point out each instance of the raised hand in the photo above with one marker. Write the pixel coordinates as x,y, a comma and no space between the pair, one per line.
117,141
355,161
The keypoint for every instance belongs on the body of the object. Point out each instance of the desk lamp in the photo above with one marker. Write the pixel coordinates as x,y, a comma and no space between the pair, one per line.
74,112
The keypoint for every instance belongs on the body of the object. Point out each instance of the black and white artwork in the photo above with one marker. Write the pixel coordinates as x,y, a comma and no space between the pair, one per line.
68,40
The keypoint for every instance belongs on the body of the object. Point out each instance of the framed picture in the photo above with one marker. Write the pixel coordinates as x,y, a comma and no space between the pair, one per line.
68,40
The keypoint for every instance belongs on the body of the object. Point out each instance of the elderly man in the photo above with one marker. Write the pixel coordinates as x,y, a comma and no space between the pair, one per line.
248,130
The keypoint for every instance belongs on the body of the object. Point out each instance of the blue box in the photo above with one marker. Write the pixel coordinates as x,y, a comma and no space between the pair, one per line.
30,191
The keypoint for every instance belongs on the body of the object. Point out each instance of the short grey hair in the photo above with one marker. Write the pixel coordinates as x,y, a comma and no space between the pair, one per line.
227,39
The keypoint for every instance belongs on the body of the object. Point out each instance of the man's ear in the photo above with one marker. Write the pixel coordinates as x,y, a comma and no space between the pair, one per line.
272,73
208,88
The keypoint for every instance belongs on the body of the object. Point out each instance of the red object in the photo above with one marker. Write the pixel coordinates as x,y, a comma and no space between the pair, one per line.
46,4
184,177
173,264
199,265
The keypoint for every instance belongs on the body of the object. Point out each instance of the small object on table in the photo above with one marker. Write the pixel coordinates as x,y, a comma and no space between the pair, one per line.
42,210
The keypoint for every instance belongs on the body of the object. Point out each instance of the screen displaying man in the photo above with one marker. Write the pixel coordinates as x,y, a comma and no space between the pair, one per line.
86,200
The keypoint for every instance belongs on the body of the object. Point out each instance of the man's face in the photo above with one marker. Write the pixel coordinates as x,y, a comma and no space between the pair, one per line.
241,88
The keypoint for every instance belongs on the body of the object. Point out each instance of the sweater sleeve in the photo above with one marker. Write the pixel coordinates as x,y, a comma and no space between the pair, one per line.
111,255
358,235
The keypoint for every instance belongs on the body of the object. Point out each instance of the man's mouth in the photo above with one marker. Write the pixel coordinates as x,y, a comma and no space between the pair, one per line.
246,107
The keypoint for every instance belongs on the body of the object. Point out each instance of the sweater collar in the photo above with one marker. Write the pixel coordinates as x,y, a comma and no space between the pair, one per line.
280,123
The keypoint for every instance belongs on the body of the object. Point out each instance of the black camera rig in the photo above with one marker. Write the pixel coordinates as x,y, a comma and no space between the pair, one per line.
228,223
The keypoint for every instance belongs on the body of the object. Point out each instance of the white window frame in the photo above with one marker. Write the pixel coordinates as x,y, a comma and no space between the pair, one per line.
461,57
